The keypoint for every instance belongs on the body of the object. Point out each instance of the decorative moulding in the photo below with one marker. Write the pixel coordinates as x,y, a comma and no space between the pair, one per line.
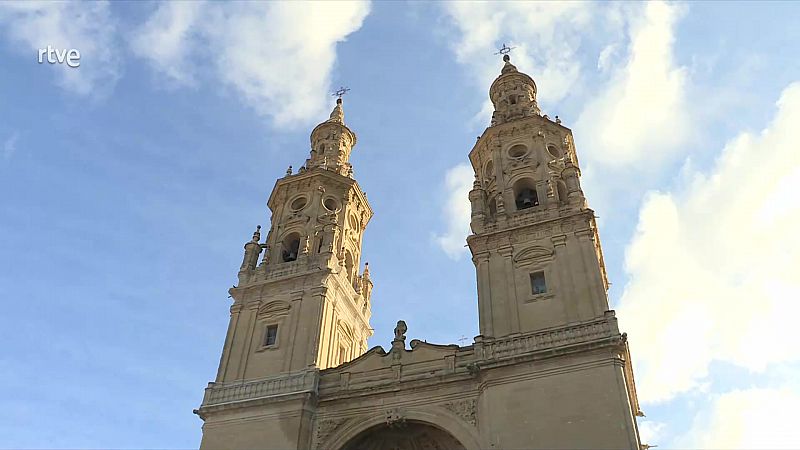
273,308
532,254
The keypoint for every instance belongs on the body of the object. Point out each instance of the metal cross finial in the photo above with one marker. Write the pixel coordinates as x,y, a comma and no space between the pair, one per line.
462,339
340,92
504,50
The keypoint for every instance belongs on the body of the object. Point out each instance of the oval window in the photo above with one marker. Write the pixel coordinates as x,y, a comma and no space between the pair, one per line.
517,151
298,203
554,151
330,204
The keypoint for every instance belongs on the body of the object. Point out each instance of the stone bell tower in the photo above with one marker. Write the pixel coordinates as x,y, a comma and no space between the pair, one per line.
535,244
301,304
550,368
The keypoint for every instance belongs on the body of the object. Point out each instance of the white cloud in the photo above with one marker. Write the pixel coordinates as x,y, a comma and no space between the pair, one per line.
546,36
86,27
165,40
713,267
638,113
10,145
277,56
758,418
650,432
607,55
641,113
458,183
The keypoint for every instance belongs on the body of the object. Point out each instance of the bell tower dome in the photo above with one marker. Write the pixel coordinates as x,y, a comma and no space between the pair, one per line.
513,94
331,143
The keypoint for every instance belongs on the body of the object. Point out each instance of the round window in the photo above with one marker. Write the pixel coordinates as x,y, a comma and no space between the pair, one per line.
298,203
517,151
330,204
554,151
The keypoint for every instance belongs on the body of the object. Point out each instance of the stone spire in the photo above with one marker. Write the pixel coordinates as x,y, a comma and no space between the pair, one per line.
337,115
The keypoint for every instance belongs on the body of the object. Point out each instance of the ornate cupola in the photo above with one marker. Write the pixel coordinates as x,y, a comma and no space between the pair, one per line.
331,144
513,94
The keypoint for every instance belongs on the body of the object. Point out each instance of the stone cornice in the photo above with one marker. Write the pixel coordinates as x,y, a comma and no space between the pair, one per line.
318,172
424,367
477,242
503,129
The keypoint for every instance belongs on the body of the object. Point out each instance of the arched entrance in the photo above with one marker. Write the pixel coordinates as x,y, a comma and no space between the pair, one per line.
404,436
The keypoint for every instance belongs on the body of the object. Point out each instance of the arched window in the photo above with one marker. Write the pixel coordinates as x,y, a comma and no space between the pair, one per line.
525,195
488,172
291,246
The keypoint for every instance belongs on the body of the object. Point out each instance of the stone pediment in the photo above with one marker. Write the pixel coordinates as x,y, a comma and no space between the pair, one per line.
422,351
378,368
532,254
377,358
372,359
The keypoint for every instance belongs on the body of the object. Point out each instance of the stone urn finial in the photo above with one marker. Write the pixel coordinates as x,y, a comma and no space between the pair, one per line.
399,341
400,331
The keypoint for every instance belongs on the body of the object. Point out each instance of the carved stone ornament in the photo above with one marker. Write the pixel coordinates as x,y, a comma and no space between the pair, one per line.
465,409
326,427
395,417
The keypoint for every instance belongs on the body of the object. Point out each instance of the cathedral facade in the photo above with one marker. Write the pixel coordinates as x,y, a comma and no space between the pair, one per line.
549,369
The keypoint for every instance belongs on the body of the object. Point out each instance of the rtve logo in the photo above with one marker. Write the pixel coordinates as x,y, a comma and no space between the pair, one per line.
72,57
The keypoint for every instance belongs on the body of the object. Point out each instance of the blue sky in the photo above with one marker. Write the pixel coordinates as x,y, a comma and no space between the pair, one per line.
128,186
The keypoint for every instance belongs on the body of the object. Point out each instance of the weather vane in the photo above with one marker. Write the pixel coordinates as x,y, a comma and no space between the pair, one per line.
340,92
504,50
